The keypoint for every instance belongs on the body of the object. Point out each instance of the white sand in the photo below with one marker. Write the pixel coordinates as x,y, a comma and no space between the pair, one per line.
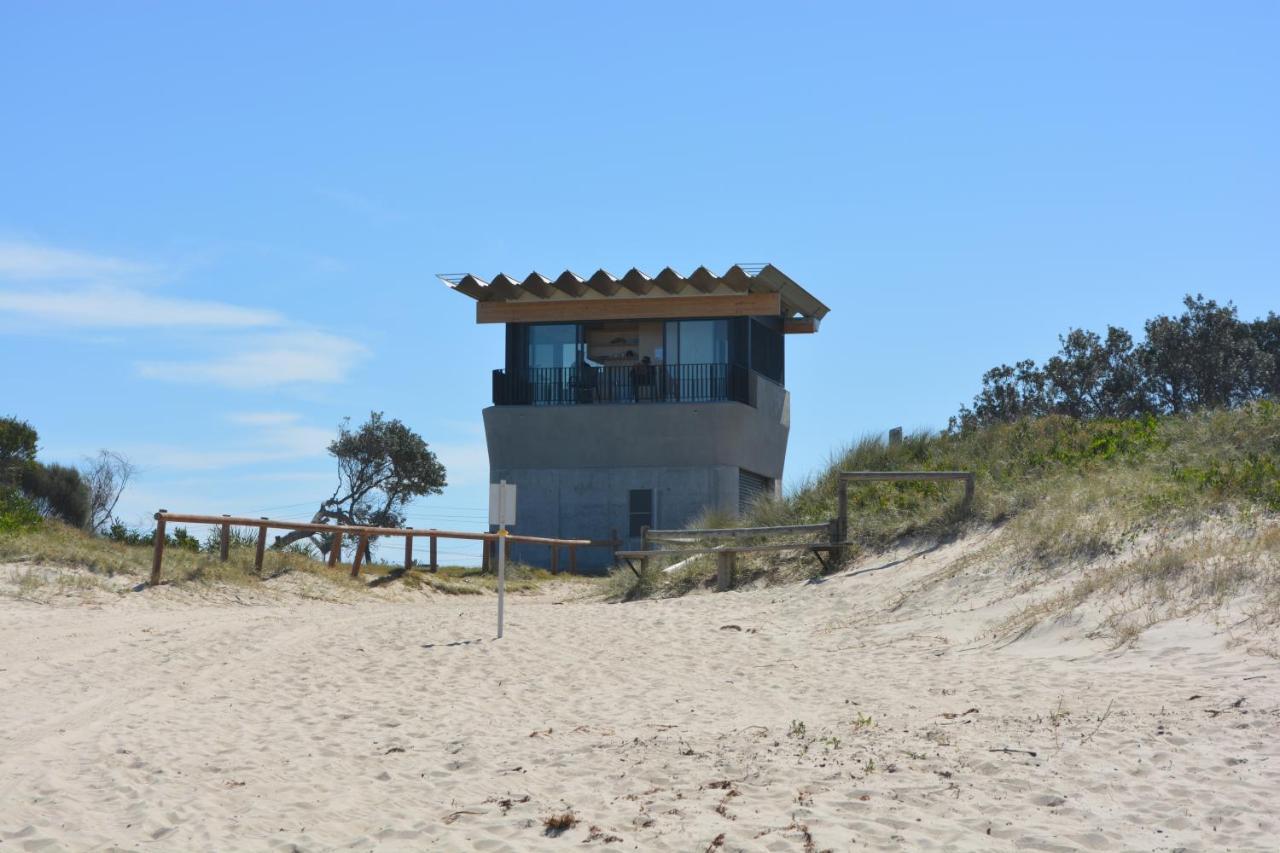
161,723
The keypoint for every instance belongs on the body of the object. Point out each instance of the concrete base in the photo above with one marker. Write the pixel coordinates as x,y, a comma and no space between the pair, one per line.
575,466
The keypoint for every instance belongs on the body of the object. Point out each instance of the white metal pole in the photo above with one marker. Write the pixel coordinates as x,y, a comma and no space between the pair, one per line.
502,551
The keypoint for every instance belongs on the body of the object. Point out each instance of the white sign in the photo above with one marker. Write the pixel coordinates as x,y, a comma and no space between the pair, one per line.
502,504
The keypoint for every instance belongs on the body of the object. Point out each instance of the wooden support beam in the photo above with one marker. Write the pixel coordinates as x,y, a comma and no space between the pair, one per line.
435,566
800,326
484,558
358,559
157,556
262,547
224,544
555,559
724,570
629,308
408,551
335,549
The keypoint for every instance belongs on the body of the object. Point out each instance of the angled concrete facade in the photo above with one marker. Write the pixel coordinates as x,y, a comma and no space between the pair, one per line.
575,466
633,401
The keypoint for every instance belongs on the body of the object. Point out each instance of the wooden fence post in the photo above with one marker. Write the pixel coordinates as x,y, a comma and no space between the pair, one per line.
335,549
484,559
724,570
842,520
573,559
408,550
224,547
158,556
968,493
359,557
644,546
434,565
555,559
262,547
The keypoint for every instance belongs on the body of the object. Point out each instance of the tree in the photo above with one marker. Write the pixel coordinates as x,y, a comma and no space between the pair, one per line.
106,475
17,450
57,491
382,466
1205,358
1093,378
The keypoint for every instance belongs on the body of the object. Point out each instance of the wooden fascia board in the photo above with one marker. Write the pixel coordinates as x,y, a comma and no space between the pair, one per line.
652,308
800,325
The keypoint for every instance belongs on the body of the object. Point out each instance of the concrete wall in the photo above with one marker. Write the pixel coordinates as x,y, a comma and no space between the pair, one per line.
574,466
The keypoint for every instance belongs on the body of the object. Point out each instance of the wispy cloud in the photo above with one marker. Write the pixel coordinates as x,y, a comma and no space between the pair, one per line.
267,361
26,261
261,437
466,464
111,307
45,289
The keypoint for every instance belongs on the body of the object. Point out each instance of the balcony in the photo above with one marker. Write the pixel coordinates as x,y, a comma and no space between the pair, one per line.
587,385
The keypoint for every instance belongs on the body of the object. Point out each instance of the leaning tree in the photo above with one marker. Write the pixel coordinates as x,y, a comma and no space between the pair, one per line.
382,466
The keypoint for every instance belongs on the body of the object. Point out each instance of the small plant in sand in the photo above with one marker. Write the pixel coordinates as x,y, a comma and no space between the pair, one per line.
862,721
797,729
557,824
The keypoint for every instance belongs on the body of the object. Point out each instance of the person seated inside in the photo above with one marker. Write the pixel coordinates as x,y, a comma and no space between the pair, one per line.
642,379
584,379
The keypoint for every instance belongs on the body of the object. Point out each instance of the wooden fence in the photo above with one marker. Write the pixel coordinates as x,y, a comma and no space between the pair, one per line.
727,555
837,529
361,535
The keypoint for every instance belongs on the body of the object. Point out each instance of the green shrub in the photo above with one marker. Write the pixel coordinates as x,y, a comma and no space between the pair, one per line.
17,514
57,491
17,450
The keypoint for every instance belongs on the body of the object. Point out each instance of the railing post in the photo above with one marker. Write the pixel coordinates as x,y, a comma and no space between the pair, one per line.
224,547
484,559
724,570
408,549
842,519
644,546
262,547
434,565
968,493
359,557
335,549
158,556
555,559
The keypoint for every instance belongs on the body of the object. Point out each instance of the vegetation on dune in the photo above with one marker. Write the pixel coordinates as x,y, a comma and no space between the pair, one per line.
1071,488
190,562
1077,458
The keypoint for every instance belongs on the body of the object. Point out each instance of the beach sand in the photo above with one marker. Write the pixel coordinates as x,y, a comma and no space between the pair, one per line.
833,715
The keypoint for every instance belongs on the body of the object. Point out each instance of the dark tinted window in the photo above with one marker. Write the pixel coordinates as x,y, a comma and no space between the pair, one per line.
641,510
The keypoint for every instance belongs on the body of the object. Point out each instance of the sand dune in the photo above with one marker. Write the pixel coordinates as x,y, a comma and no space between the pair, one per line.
810,717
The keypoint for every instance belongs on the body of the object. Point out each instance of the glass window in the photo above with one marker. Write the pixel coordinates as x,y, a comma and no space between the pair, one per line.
553,345
697,342
641,505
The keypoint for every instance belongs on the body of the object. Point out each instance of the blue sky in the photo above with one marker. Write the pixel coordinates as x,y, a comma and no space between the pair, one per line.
219,223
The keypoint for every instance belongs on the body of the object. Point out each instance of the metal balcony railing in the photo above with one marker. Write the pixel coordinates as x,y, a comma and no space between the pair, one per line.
575,386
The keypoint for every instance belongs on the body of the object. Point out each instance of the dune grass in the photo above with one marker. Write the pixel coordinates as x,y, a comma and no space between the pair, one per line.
1065,490
56,545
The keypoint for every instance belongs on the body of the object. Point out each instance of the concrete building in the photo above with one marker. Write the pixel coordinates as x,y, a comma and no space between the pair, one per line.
637,401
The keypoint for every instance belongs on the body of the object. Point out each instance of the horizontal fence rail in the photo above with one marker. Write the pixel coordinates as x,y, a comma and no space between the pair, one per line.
362,535
583,385
727,554
733,532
